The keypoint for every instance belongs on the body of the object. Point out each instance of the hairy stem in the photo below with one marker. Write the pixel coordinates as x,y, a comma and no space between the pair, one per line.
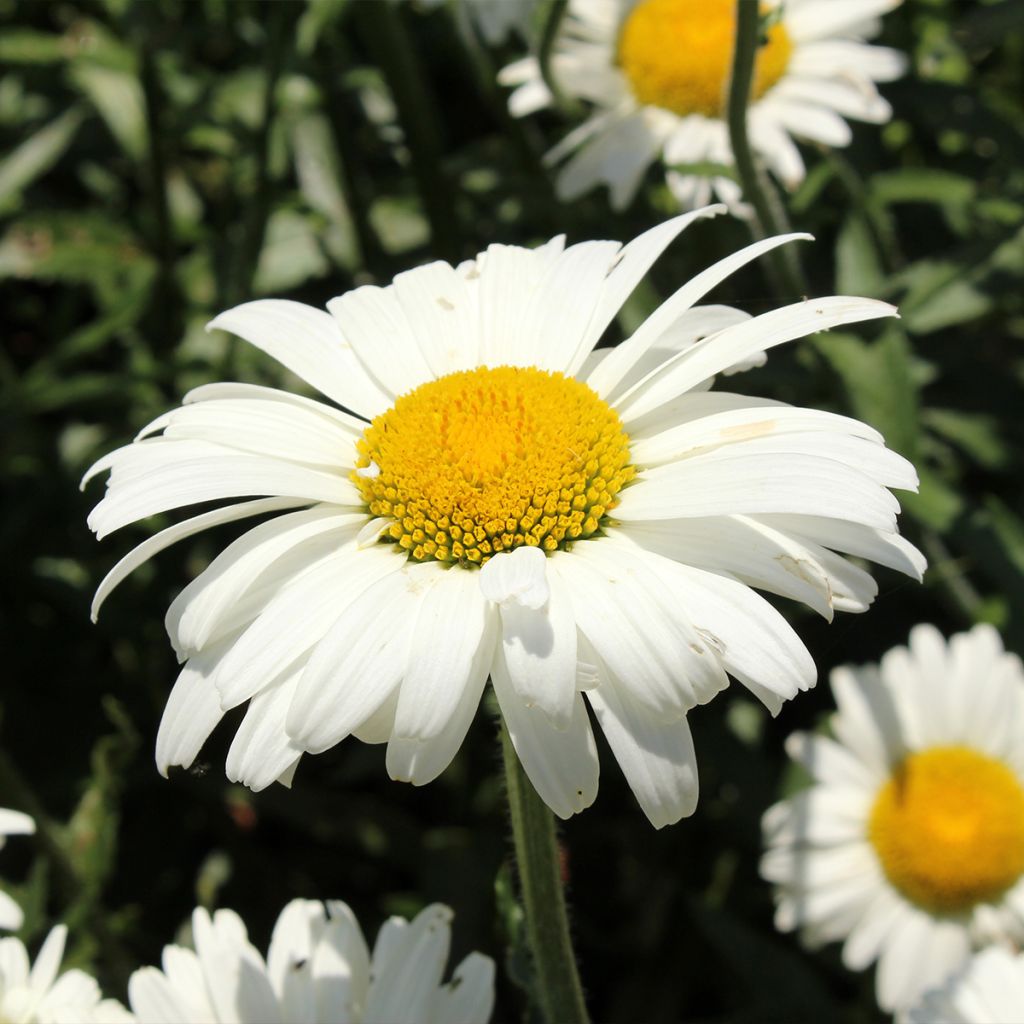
543,894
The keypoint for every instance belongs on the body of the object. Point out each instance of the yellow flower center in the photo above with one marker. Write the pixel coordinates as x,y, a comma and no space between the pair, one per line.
677,54
489,460
948,828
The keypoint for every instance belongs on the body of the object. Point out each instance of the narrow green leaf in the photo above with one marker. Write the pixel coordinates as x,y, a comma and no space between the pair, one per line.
858,268
117,97
37,154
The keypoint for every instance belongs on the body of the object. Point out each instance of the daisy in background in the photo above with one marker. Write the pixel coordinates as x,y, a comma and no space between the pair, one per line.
12,823
318,968
990,990
35,994
656,75
484,495
910,845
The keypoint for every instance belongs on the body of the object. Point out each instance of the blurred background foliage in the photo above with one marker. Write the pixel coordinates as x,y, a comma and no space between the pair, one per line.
164,160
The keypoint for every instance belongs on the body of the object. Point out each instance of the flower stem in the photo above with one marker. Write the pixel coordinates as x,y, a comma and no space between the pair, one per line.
768,210
543,895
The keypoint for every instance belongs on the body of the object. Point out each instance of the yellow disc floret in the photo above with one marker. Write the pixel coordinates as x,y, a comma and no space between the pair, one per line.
677,54
948,828
489,460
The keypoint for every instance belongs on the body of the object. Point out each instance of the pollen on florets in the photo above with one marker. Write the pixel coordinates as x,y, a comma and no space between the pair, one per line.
677,54
492,459
948,828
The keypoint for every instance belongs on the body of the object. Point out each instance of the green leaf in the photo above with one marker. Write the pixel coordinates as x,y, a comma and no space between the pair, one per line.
37,154
879,382
977,434
79,248
937,505
858,268
117,97
290,255
318,16
27,46
953,193
318,168
939,294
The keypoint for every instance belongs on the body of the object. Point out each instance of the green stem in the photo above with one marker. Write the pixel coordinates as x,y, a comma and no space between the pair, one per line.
543,895
768,211
383,30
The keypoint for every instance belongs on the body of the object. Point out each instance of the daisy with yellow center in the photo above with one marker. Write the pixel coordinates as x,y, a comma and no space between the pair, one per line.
910,845
656,75
485,495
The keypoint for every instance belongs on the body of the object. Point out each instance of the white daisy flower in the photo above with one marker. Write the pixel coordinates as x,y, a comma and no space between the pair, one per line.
910,845
34,994
989,991
656,73
318,968
503,501
12,823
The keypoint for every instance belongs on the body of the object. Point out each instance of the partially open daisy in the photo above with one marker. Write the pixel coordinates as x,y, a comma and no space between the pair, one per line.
37,993
318,968
12,823
656,73
503,501
910,845
989,990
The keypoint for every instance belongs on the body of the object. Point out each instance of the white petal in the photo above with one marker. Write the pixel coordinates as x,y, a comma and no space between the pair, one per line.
225,390
654,651
405,981
735,344
212,476
885,548
309,343
610,373
361,659
47,962
237,584
11,916
540,651
374,324
561,764
516,577
809,121
278,430
871,458
633,263
817,21
262,750
143,552
289,959
449,628
745,423
420,761
235,974
469,997
192,710
297,619
868,721
754,642
15,823
155,1000
657,757
441,310
726,483
555,324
